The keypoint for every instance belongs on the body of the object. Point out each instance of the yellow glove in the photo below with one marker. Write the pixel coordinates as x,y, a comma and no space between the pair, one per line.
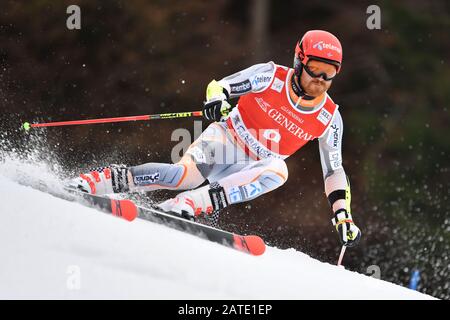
216,105
349,233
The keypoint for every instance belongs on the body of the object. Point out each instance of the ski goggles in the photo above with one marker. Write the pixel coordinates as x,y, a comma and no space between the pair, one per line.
325,76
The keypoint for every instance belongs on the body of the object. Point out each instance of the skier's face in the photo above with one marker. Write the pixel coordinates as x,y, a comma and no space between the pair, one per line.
315,86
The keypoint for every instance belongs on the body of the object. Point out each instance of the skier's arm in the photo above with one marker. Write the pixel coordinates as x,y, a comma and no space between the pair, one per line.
330,148
337,187
253,79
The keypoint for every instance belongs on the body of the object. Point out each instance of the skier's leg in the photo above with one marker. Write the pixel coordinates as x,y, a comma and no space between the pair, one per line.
147,177
256,179
233,176
188,173
153,176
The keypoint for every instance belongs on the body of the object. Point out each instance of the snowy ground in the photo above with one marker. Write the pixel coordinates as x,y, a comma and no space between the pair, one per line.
51,248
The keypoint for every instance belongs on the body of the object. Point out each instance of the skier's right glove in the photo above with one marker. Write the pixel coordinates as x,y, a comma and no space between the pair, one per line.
216,106
349,233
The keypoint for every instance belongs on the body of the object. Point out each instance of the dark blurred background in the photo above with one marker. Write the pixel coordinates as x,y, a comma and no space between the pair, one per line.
141,57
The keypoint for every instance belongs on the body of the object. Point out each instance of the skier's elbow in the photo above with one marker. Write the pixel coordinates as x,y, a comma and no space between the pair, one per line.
336,172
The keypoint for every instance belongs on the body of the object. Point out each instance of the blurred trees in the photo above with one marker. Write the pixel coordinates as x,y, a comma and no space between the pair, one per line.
140,57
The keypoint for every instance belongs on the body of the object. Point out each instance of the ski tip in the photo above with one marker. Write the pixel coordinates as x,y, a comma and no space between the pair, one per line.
129,210
256,245
250,244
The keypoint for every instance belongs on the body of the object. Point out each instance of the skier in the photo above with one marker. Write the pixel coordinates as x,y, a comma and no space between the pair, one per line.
242,152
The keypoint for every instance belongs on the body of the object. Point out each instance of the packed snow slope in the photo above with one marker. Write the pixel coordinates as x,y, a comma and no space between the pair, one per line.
52,248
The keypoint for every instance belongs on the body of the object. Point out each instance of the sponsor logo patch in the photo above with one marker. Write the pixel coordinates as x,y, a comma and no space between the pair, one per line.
277,85
242,193
322,45
258,80
262,104
292,114
334,137
251,142
241,87
252,190
198,154
292,127
335,160
324,116
146,179
272,134
235,195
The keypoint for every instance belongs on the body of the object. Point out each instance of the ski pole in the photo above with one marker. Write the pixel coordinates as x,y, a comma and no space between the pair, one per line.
341,256
174,115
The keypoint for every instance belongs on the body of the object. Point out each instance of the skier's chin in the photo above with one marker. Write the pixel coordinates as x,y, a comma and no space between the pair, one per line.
316,89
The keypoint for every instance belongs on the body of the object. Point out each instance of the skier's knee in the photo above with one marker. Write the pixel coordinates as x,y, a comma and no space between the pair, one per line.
273,176
193,177
279,167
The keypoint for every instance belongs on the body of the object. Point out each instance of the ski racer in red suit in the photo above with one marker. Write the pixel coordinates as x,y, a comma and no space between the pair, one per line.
242,153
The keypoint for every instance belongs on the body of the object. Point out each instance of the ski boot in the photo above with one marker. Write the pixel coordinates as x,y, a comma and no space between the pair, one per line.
100,181
192,204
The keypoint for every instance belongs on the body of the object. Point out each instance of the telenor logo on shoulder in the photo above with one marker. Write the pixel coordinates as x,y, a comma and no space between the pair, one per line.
260,79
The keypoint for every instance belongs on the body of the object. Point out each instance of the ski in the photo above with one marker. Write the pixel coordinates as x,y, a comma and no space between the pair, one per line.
250,244
125,209
128,210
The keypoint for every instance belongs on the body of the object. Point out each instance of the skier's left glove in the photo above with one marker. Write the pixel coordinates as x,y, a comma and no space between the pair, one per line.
216,105
349,233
